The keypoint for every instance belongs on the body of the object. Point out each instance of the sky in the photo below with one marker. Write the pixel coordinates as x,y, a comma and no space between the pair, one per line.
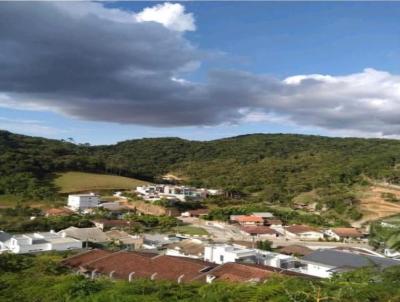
103,72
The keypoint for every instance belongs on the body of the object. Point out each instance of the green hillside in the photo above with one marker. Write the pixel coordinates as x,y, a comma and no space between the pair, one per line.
70,182
262,167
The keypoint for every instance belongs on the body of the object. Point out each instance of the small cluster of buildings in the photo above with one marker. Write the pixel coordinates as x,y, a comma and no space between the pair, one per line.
173,192
37,242
71,238
188,260
180,259
86,203
266,226
127,266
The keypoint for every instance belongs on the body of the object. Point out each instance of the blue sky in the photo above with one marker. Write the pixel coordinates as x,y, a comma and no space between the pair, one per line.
268,39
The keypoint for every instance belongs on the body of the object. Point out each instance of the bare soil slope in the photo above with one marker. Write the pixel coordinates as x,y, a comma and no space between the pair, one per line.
373,206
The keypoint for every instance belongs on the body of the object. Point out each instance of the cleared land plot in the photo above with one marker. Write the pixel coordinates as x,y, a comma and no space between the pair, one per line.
190,230
71,182
373,206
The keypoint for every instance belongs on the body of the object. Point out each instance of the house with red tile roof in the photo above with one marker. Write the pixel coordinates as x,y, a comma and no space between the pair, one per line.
127,265
242,272
246,220
261,232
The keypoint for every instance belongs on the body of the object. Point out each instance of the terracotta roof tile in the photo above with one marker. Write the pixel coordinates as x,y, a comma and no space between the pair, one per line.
85,257
298,229
295,250
145,266
259,230
245,218
347,232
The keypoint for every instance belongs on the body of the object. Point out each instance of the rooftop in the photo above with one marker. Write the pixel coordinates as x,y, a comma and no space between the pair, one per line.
298,229
245,218
295,250
86,234
188,247
85,257
347,232
259,230
337,258
159,267
241,272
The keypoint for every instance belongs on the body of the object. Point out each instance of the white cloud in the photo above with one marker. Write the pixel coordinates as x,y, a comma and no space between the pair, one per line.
171,15
129,72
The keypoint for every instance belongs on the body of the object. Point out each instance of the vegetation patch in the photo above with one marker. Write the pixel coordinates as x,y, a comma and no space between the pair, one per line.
191,230
70,182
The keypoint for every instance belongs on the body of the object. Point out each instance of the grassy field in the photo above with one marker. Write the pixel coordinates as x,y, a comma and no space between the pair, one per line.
78,181
190,230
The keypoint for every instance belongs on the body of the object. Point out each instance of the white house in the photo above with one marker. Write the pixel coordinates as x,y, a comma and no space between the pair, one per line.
81,202
39,242
172,192
391,253
223,253
303,232
345,234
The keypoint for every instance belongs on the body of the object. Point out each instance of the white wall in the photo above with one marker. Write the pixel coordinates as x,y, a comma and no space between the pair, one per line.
223,253
82,202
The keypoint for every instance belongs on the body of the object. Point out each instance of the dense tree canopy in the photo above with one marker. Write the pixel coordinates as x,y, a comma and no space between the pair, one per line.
273,167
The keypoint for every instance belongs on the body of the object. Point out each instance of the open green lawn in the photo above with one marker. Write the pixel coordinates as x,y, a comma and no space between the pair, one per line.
79,181
190,230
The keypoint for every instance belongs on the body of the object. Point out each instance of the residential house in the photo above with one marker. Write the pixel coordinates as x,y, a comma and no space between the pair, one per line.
134,242
128,265
158,241
303,232
245,273
273,222
260,232
263,215
248,220
82,202
93,235
116,208
295,250
191,248
4,238
223,253
344,234
171,192
341,261
40,242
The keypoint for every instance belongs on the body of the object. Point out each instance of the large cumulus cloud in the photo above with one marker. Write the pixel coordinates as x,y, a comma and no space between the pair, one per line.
96,63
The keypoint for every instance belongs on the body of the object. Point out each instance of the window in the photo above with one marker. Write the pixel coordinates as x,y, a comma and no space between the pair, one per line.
221,258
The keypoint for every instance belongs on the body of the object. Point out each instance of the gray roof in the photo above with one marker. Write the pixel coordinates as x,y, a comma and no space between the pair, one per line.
86,234
336,258
4,236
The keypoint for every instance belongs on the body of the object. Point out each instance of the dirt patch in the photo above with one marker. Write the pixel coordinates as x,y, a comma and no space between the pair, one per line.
373,206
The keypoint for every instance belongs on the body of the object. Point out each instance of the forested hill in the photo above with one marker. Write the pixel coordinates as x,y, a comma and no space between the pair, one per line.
276,166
